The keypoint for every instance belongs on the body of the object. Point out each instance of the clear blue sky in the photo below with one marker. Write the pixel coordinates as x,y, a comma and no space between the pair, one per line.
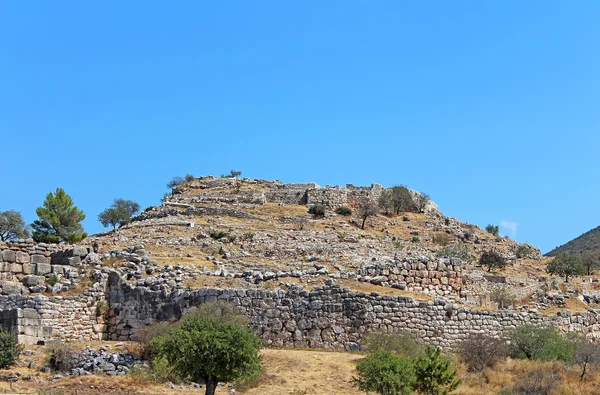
490,107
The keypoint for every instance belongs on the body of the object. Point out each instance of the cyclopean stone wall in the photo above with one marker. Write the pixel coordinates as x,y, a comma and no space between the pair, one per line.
328,317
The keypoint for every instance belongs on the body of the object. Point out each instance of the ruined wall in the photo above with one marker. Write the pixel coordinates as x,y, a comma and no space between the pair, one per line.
328,317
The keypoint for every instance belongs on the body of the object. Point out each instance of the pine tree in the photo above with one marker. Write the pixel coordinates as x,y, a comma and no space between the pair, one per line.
59,220
435,374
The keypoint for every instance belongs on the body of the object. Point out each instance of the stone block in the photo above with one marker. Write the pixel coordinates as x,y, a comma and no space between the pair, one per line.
16,268
79,252
43,269
31,280
39,259
22,257
28,268
74,261
9,256
56,258
58,269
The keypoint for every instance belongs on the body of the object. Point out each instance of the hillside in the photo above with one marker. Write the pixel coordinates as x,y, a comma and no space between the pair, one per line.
589,241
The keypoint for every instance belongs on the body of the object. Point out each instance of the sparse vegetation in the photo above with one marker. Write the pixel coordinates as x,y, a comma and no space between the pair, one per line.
416,239
460,251
366,208
175,182
317,210
61,356
232,174
12,226
441,238
502,297
119,213
402,344
523,251
480,351
344,210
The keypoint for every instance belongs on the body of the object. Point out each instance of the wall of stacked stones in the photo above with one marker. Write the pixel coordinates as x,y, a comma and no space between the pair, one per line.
328,317
38,317
434,276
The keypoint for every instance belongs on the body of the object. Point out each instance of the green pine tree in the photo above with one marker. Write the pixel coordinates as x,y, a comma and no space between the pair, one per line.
59,220
434,373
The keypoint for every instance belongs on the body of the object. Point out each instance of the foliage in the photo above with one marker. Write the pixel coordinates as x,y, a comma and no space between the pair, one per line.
540,343
232,174
539,382
317,210
343,210
248,236
119,213
590,260
221,234
59,220
480,351
12,226
9,349
586,354
386,201
441,238
204,348
416,239
51,280
61,356
434,373
175,182
523,251
493,229
402,344
145,335
219,310
385,373
460,251
399,199
566,265
502,297
189,177
420,201
492,260
366,209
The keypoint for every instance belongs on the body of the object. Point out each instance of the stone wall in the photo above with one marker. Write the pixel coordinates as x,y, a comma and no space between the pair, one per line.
434,276
328,317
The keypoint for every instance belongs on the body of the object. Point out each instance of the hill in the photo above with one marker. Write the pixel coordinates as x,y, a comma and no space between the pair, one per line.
589,241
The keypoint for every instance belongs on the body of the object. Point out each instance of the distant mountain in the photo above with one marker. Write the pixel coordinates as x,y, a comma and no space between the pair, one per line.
588,241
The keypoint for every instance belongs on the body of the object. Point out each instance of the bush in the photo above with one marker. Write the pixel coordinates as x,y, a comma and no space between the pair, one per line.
175,182
415,239
540,343
189,177
493,229
317,210
248,236
441,238
220,234
343,210
480,351
492,260
586,354
148,333
9,349
401,344
539,382
460,251
62,357
523,251
434,373
386,374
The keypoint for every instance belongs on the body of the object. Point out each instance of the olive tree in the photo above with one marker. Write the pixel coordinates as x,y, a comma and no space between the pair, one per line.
119,213
566,265
366,209
12,226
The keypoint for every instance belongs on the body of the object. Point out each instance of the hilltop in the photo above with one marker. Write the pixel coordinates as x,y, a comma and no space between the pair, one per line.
589,241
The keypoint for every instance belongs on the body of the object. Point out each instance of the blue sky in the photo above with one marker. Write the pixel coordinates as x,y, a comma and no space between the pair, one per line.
490,107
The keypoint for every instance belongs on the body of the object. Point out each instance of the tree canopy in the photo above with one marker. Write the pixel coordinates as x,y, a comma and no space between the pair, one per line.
119,213
59,220
566,265
12,226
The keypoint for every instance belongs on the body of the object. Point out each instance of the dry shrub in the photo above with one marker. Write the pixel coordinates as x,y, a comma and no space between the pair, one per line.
441,238
539,381
62,356
480,351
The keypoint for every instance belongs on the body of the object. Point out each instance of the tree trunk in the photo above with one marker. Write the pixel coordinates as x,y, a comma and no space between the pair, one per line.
583,371
363,224
211,386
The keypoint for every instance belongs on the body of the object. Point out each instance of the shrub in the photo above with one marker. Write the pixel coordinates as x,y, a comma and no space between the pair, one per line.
385,373
502,297
539,382
540,343
209,350
248,236
220,234
434,373
460,251
189,177
493,229
62,356
317,210
441,238
480,351
523,251
9,349
402,344
145,335
492,260
415,239
219,310
232,174
586,354
566,265
175,182
52,280
343,210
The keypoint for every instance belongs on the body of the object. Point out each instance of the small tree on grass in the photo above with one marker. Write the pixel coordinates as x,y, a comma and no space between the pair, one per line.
566,265
590,260
492,260
9,349
207,349
59,220
385,374
12,226
366,209
493,229
586,354
119,213
434,373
